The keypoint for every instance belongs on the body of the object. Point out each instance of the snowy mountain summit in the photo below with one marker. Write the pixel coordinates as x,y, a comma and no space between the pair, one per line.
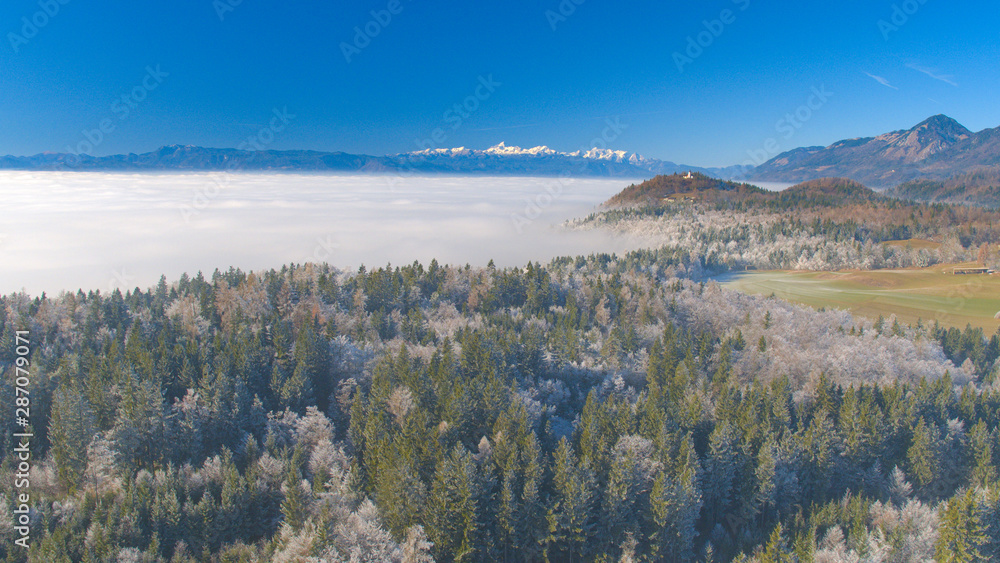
502,158
502,149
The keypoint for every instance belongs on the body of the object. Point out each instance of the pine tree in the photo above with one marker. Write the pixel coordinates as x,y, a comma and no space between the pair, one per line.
675,503
139,430
720,471
922,456
820,453
984,472
962,532
166,516
531,524
401,494
452,517
569,515
775,551
71,428
233,501
312,366
295,506
617,515
766,493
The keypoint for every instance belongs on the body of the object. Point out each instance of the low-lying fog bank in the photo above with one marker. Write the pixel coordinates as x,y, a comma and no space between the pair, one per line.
64,231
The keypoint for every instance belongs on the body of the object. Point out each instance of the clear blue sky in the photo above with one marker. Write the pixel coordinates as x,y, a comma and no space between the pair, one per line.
226,75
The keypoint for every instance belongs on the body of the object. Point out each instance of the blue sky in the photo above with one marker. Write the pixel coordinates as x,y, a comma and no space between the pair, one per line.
213,73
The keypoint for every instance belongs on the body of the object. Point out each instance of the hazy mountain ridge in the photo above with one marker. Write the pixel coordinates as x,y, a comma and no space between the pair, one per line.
497,160
936,148
981,187
178,157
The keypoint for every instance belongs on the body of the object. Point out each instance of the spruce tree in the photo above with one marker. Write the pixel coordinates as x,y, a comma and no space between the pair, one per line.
984,471
71,428
569,515
451,521
922,456
295,506
962,533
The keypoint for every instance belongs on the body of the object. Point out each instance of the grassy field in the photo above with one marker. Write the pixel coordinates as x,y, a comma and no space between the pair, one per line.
920,293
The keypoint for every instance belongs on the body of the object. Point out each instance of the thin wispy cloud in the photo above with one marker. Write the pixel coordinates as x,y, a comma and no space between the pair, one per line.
946,78
881,80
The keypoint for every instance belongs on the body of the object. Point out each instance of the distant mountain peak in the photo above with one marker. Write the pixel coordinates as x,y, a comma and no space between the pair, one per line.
934,146
608,154
941,122
501,148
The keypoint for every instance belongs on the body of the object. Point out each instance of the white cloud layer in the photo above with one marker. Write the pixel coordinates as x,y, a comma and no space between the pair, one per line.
70,230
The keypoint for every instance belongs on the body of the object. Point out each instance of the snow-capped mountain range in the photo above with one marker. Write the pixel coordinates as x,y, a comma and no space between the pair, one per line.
594,161
502,149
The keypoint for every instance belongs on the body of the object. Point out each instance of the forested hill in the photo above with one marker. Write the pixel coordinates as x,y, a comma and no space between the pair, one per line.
825,224
681,186
828,191
663,190
981,187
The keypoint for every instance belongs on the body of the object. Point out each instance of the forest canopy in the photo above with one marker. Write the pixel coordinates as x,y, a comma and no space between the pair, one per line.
598,408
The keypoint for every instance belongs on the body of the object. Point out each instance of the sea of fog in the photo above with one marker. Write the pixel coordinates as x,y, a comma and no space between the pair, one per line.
773,186
71,230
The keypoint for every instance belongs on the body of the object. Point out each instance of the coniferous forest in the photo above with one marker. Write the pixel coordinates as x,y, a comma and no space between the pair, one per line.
602,408
565,281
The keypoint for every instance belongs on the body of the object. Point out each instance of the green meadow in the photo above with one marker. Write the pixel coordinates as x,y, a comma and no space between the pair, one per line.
931,294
